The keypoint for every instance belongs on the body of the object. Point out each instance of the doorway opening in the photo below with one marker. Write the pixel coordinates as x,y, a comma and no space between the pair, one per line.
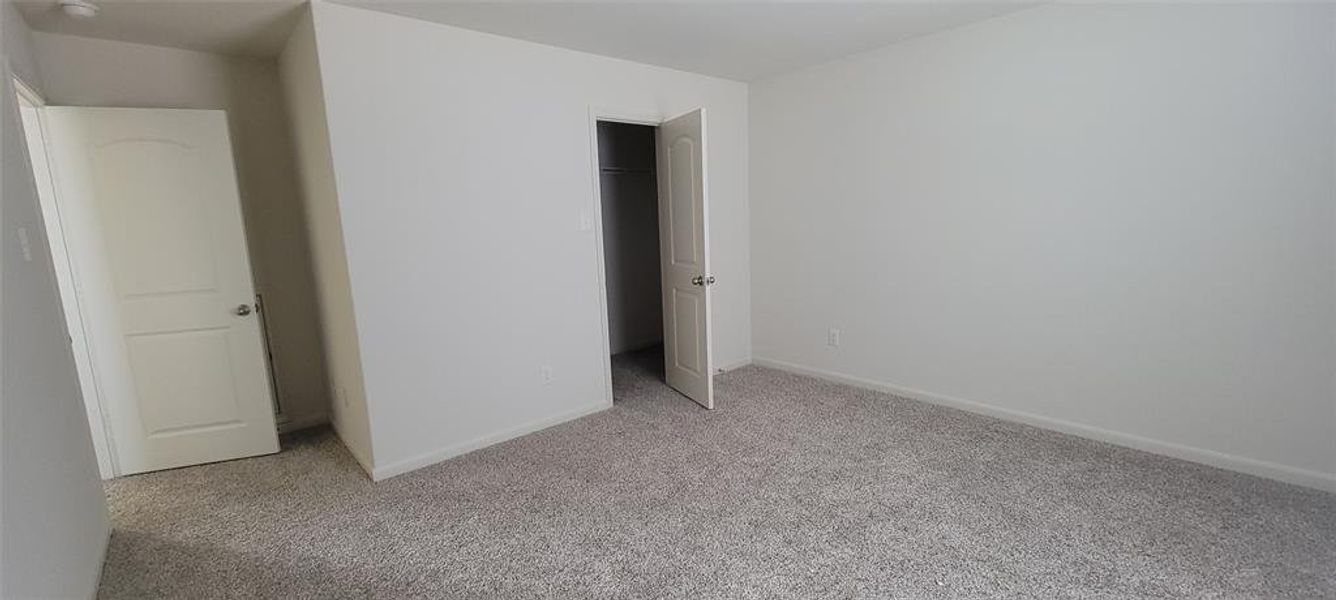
629,203
30,104
654,257
142,217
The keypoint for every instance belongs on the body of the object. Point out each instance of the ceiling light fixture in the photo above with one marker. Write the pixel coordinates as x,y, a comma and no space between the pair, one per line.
78,9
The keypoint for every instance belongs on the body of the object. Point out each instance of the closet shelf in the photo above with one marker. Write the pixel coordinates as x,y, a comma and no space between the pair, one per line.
623,170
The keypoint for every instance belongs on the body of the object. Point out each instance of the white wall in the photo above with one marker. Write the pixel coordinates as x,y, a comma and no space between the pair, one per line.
18,44
91,72
53,515
464,163
299,71
628,194
1114,220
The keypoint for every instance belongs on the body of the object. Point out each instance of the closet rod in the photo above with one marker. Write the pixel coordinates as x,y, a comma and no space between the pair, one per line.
623,170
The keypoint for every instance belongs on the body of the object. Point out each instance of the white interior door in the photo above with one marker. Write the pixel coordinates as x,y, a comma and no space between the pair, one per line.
152,218
684,256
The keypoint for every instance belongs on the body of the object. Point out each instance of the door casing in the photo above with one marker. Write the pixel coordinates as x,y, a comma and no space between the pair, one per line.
593,218
34,130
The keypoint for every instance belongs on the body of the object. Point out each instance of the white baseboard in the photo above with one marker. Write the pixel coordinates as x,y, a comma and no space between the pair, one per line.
101,560
435,456
733,366
363,461
636,347
287,425
1260,468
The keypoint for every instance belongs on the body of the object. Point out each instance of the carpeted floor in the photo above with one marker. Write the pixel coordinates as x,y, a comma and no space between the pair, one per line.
793,488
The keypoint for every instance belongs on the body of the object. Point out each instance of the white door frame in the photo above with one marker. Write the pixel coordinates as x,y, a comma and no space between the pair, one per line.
615,115
64,267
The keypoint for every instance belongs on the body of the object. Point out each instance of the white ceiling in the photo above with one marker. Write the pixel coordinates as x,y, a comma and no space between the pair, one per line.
245,27
736,40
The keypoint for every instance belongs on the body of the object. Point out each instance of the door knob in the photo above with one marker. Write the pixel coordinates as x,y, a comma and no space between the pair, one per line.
702,281
243,310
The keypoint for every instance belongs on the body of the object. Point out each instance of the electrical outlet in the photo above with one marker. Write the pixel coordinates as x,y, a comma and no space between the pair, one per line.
833,338
545,373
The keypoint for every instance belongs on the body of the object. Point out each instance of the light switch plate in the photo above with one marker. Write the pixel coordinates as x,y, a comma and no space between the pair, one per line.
24,245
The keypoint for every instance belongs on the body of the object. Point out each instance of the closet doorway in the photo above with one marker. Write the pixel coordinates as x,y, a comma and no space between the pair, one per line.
654,251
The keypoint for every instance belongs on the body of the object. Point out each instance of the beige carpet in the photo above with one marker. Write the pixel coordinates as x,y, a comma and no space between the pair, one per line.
793,488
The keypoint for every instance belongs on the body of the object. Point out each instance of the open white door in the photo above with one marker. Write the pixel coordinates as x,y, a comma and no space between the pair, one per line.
152,217
684,257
